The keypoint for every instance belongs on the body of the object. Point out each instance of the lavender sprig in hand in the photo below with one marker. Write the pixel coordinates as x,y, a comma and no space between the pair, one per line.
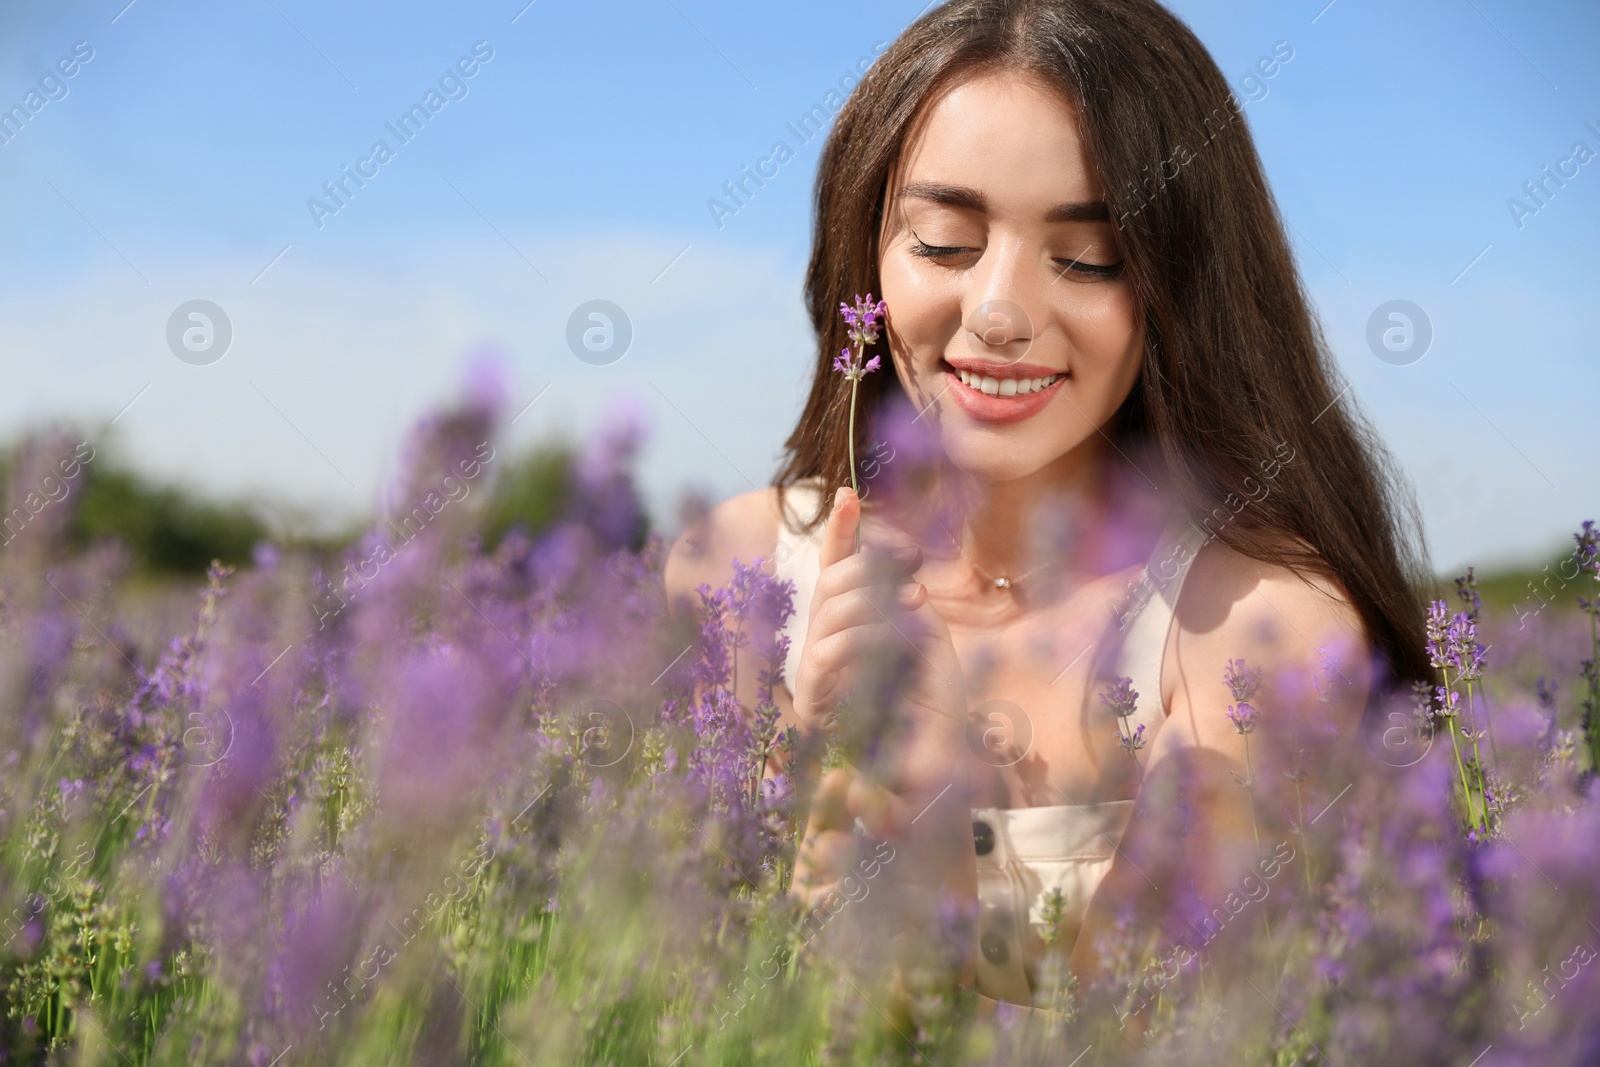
863,321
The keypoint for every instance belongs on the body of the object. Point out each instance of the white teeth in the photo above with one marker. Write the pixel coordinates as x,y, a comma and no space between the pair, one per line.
1006,386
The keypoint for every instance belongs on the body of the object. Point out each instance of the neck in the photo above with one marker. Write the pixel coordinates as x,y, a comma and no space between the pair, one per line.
1003,518
1059,524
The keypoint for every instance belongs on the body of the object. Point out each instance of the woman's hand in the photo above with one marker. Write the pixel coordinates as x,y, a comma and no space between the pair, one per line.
844,619
862,608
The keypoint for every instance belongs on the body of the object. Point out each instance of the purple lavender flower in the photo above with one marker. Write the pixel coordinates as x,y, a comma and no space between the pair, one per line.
1437,628
1587,553
1448,703
1467,590
371,755
862,319
1587,556
735,742
1468,653
849,364
1242,681
1243,716
1121,697
1123,700
1453,642
764,602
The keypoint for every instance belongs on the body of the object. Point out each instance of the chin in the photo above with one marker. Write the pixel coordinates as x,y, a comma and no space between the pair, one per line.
999,455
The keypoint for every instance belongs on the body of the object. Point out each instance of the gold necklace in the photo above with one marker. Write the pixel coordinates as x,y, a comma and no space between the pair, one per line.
998,581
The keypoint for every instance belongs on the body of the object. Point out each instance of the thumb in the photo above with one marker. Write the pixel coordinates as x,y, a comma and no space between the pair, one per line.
830,807
880,811
838,538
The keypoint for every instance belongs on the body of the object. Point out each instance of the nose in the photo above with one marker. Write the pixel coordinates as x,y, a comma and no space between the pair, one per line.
997,321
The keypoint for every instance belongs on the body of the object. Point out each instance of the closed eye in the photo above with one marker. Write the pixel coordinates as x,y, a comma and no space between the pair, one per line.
1107,271
927,251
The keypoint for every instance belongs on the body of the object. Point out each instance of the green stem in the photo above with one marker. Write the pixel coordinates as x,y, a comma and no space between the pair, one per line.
1483,778
1300,801
1488,724
1455,745
854,384
1461,769
738,632
1250,780
1249,775
1466,791
1594,676
1277,975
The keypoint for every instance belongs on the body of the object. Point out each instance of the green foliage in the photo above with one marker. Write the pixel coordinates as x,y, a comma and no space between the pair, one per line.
1528,587
174,532
168,531
529,494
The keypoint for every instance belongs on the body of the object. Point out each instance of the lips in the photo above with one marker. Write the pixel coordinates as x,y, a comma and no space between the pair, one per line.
1000,368
1001,409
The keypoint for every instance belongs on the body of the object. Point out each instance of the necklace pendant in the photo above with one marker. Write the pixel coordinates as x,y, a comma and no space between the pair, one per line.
1002,583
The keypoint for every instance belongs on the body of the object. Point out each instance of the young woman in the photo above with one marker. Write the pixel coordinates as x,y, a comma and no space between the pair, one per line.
1092,305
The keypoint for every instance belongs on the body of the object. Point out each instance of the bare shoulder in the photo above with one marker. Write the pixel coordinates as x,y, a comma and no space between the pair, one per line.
1231,597
1292,626
741,527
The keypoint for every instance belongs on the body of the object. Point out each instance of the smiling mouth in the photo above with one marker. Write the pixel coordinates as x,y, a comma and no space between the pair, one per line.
994,386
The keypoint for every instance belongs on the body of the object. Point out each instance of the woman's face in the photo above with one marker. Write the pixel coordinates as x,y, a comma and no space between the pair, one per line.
1000,261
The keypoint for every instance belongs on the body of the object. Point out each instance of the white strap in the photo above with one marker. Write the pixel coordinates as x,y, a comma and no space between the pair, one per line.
1146,620
798,557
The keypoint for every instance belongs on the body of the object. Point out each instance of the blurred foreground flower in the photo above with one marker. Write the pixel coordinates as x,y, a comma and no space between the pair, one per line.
478,804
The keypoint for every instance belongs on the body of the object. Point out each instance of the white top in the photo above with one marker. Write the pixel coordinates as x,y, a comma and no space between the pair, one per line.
1024,853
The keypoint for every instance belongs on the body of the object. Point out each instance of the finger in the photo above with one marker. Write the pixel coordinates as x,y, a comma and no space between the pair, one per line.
830,808
824,856
917,617
871,566
862,607
834,661
838,653
831,665
878,530
880,811
839,536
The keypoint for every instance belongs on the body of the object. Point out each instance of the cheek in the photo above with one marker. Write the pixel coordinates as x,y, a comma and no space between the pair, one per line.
1107,343
924,317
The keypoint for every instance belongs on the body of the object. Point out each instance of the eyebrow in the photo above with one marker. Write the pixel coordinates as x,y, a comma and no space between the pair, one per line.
959,196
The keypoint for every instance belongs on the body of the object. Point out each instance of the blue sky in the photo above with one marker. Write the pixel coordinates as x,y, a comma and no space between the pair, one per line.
577,164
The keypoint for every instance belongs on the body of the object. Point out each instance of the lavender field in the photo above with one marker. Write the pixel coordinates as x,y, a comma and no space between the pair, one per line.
443,803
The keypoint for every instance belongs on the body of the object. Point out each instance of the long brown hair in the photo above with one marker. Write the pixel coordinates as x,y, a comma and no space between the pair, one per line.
1234,363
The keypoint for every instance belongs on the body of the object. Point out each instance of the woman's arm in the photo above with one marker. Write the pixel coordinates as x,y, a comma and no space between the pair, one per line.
1200,838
